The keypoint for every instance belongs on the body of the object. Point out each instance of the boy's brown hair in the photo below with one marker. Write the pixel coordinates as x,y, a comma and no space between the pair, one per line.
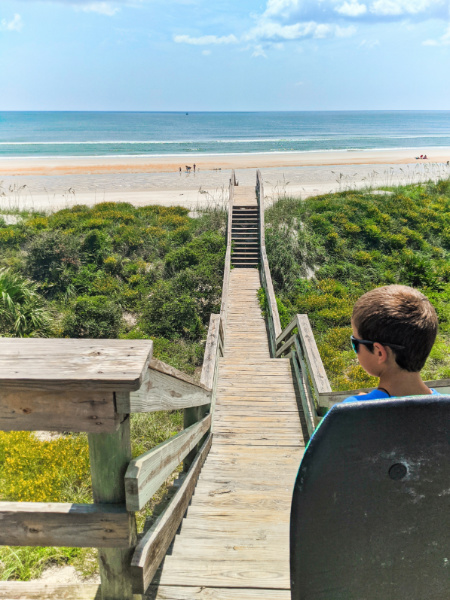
398,314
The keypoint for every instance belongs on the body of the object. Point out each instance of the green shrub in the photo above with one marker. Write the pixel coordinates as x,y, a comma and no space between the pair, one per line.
49,255
22,310
170,313
93,317
96,245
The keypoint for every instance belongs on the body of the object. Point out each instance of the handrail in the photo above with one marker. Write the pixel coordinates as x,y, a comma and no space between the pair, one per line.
308,367
227,266
273,320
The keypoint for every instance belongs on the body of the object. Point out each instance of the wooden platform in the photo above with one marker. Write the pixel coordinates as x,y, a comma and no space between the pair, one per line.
234,542
244,196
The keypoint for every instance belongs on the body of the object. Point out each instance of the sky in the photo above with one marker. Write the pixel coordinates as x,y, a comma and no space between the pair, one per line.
207,55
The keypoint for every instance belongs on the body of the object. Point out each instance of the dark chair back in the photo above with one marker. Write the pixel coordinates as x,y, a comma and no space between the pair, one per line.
370,516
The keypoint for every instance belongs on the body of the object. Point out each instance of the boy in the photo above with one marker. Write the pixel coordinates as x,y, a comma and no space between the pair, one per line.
394,329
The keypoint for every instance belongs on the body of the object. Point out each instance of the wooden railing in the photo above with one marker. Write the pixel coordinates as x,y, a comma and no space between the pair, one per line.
93,386
273,318
227,267
297,341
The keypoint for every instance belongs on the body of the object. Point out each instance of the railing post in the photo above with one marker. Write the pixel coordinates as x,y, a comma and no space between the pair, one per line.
110,454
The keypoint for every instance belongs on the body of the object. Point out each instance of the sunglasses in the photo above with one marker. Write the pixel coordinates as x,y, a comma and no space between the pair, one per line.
356,342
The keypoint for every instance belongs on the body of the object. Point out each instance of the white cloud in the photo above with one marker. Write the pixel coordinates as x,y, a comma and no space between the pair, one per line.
289,11
102,8
351,9
444,40
297,20
258,51
15,24
205,40
270,31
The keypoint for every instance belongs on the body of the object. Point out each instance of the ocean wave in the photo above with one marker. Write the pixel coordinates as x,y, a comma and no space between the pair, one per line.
184,156
336,137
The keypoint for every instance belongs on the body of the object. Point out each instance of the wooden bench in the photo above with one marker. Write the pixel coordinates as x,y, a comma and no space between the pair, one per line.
370,511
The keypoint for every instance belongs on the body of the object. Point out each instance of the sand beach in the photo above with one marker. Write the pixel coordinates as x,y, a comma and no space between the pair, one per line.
54,183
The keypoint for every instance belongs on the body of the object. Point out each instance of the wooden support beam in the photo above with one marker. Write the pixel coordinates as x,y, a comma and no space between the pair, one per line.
64,410
153,546
292,325
164,388
285,346
302,386
57,524
147,473
110,455
25,590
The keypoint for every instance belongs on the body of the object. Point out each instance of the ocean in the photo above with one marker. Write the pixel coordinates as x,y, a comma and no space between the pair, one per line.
59,134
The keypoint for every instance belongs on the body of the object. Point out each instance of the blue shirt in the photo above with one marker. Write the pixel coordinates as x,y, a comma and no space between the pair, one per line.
375,395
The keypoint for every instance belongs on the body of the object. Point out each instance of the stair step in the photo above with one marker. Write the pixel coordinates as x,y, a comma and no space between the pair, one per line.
246,265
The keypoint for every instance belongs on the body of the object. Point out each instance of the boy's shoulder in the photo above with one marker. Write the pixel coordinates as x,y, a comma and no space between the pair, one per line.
375,394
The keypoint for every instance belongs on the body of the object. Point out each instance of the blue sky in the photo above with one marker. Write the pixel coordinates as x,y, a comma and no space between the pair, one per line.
224,55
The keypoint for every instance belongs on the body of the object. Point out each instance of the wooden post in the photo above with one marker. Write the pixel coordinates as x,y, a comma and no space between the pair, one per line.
110,454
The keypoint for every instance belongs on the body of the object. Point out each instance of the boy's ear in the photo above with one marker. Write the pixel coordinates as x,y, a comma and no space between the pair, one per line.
381,352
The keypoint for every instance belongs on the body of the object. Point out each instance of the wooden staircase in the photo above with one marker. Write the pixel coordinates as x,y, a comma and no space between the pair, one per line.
245,228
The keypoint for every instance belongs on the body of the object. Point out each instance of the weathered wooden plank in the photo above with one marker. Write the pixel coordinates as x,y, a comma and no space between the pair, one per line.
292,325
147,473
285,346
153,546
62,410
315,366
302,385
109,456
37,590
232,573
164,388
211,354
58,524
76,364
171,592
262,508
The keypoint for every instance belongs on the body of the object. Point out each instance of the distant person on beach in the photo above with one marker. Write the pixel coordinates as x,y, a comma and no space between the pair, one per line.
194,167
425,156
180,170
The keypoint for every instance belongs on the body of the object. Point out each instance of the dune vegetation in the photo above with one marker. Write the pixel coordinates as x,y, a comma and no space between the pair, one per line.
324,252
111,271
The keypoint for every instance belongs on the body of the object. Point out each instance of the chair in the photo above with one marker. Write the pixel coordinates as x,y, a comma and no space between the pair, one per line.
370,516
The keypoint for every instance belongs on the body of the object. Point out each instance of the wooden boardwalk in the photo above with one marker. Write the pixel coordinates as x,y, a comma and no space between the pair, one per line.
234,541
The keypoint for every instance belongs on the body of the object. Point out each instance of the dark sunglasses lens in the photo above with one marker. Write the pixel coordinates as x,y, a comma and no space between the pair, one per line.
355,345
